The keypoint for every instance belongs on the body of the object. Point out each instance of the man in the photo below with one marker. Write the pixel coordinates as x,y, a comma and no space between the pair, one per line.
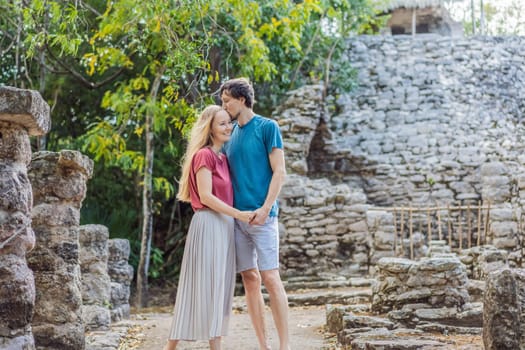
256,157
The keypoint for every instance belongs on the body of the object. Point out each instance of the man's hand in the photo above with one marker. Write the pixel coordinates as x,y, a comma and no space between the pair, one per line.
260,216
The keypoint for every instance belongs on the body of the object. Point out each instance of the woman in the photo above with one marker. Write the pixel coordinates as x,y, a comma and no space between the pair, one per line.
207,278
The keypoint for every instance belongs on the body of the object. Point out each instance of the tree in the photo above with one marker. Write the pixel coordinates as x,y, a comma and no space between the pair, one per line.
491,17
127,76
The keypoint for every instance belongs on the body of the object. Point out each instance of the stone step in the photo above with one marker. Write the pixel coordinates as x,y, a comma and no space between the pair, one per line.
384,339
321,296
449,329
295,284
331,296
471,315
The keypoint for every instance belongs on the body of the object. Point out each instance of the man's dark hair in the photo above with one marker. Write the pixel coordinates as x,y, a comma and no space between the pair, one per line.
237,88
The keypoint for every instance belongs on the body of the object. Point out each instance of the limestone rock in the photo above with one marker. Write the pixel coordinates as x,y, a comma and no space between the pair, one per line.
503,302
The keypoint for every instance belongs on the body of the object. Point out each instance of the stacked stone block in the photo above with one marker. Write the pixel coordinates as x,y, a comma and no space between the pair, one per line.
322,227
96,283
121,275
59,187
23,113
428,124
299,118
422,112
380,226
322,224
481,261
433,282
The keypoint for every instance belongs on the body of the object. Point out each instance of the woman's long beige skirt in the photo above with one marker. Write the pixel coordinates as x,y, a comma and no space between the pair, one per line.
207,279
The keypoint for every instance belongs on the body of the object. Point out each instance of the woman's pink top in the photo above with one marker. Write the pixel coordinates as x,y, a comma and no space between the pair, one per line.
220,177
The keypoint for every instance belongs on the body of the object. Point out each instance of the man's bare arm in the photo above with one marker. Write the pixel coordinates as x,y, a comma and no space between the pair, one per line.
279,174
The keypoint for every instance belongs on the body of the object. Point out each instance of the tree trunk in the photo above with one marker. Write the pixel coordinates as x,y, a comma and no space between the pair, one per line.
42,140
481,18
414,22
147,201
473,16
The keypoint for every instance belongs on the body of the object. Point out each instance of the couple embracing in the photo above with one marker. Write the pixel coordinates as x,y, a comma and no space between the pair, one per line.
231,175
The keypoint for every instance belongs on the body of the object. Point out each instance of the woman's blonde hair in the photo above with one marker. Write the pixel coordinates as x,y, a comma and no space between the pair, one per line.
200,137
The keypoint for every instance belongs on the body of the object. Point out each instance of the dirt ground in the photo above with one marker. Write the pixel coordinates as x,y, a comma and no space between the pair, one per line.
306,330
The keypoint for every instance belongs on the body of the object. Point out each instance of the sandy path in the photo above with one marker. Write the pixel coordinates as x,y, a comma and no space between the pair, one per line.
305,330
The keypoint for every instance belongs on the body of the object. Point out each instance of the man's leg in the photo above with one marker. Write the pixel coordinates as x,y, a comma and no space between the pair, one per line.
278,304
251,279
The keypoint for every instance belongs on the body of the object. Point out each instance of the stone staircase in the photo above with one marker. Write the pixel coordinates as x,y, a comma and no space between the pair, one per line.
322,290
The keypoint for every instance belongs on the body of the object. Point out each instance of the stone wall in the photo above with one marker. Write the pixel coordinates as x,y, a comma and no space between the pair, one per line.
22,113
434,121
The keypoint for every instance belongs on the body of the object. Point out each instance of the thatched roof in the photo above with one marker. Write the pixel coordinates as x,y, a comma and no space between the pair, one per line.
394,4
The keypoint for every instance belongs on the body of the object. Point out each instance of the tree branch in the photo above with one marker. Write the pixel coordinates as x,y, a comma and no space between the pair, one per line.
80,77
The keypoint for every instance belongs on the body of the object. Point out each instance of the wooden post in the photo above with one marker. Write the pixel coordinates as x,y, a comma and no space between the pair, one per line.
420,224
395,232
402,231
410,231
460,231
414,22
449,226
469,228
487,224
479,224
429,226
440,234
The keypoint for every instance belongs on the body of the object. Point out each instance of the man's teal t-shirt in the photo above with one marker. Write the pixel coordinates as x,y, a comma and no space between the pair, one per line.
248,155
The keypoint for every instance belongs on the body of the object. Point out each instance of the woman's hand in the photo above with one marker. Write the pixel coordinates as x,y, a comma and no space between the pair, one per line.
259,216
245,216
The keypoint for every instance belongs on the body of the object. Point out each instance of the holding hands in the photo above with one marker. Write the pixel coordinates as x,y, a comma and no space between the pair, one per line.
259,216
245,216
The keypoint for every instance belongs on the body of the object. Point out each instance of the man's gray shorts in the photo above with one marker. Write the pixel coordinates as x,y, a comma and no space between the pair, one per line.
257,246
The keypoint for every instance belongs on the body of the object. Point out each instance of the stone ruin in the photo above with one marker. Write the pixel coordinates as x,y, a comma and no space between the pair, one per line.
23,113
434,122
503,318
96,283
423,128
427,16
59,186
106,277
413,302
121,275
59,279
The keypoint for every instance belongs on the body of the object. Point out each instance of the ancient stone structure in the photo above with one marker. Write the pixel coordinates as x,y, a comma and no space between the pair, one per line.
22,113
503,305
121,275
482,260
435,282
96,284
420,16
59,187
434,121
411,301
